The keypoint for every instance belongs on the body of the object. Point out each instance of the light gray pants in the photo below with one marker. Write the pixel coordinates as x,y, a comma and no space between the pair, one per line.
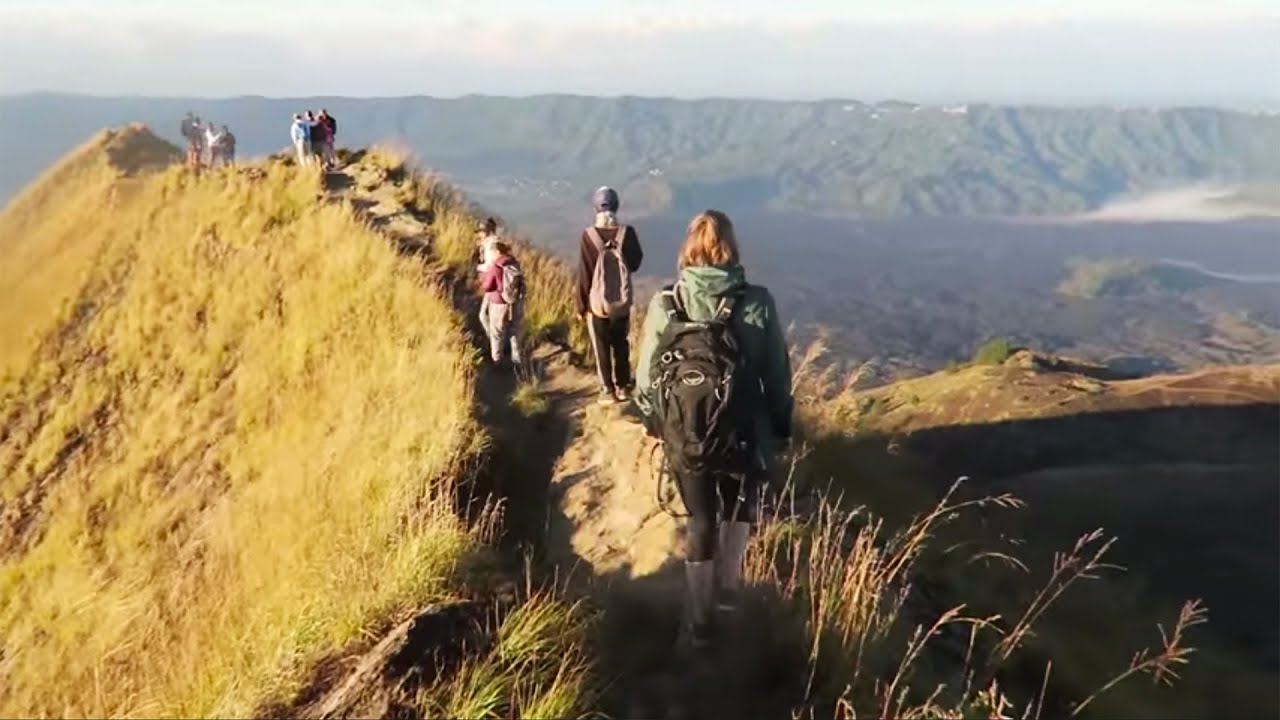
502,328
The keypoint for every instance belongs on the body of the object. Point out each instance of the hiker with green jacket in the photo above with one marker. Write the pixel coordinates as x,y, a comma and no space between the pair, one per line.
714,385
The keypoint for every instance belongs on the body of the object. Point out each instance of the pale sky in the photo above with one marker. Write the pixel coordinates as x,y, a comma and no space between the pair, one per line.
1211,51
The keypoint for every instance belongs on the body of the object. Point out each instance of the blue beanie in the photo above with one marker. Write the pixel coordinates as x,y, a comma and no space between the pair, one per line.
604,199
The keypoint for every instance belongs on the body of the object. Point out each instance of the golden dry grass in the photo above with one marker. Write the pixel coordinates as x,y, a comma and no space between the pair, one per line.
876,650
530,398
537,668
47,255
550,311
230,451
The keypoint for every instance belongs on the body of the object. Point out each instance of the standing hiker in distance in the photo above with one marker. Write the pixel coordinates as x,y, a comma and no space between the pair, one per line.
331,139
609,254
504,287
486,253
715,390
228,147
300,134
319,140
192,133
213,143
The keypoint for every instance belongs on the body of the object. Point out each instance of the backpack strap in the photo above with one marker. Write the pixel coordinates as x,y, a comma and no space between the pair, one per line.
593,232
671,303
728,303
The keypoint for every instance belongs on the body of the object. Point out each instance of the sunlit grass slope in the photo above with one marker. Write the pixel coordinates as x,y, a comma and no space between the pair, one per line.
228,422
550,312
46,254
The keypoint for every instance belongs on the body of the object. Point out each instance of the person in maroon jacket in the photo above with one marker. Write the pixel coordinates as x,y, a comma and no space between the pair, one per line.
609,340
319,137
501,321
331,138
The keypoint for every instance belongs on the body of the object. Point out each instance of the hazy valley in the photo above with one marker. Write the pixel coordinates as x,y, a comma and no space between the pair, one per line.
875,222
886,159
915,294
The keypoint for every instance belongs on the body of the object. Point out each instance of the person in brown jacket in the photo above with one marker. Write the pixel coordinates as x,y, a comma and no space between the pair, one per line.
609,341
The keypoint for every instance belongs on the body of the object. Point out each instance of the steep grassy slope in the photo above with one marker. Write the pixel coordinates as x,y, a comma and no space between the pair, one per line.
47,255
889,159
231,448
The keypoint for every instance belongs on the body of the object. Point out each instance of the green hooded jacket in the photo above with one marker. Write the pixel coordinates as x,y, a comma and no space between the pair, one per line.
759,333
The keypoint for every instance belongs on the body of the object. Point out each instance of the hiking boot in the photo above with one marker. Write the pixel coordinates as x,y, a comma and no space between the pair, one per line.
734,538
607,397
699,595
623,395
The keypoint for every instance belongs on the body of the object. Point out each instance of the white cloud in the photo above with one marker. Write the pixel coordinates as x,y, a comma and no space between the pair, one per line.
665,52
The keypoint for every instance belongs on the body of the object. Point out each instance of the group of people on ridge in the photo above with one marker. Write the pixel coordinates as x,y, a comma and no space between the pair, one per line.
207,143
713,382
313,136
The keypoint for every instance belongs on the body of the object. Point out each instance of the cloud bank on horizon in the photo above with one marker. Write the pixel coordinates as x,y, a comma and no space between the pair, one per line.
1125,51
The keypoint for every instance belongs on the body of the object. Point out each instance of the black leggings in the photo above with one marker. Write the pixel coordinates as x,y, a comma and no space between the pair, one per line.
612,349
712,500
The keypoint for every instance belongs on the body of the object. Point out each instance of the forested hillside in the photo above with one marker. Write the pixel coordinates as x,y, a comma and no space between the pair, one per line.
845,157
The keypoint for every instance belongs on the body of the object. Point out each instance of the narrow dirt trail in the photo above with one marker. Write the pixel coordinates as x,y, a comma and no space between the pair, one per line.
606,489
580,497
600,478
610,539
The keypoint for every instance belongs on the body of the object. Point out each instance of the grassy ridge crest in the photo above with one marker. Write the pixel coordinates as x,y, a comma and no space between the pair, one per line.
233,447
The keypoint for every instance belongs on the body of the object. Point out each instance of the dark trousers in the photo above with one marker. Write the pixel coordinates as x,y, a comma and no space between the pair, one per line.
712,500
612,350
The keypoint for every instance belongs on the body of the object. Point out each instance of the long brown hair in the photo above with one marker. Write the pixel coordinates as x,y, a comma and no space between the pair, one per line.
709,241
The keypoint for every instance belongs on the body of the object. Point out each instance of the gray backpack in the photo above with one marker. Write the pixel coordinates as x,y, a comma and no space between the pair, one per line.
610,295
513,289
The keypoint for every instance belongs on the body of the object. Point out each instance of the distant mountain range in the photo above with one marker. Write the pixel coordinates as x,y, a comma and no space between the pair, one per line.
832,157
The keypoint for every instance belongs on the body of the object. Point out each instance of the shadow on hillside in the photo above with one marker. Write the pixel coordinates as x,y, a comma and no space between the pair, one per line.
135,149
1128,369
757,671
1186,434
1190,492
761,667
524,450
757,667
900,474
338,181
1184,534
